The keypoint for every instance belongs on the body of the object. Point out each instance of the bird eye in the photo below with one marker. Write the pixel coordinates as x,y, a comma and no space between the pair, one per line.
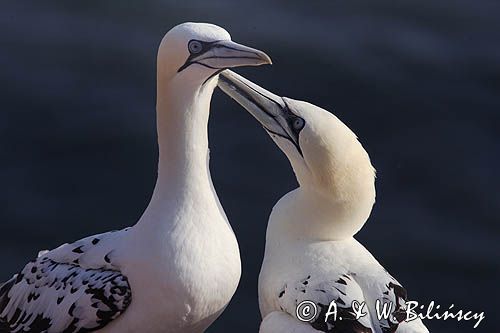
195,46
298,123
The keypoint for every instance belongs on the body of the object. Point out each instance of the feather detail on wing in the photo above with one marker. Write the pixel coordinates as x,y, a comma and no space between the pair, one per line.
91,252
343,290
74,288
389,293
351,301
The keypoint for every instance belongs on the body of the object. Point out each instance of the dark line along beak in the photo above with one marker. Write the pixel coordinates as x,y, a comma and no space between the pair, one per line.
269,109
226,54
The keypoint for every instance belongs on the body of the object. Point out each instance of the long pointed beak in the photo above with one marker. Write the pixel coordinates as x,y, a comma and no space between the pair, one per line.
229,54
269,109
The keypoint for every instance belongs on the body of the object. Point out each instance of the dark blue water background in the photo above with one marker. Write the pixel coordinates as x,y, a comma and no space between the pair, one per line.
418,81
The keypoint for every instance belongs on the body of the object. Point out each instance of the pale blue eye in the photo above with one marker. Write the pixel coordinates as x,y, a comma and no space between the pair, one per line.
298,123
195,46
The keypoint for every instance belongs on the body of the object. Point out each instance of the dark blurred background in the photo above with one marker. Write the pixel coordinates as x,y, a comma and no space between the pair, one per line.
417,80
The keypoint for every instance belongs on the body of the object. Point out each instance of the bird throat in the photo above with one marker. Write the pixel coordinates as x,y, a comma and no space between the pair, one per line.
183,109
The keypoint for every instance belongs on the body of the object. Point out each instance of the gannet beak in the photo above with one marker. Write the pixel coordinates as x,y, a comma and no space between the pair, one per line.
269,109
228,54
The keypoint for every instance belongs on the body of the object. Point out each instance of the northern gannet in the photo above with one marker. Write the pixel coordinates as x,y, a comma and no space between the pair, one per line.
310,252
178,267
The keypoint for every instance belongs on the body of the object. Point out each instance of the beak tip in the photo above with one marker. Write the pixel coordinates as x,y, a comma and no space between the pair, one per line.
266,60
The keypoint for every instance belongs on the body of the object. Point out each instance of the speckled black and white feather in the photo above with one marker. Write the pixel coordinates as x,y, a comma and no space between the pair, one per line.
74,288
344,289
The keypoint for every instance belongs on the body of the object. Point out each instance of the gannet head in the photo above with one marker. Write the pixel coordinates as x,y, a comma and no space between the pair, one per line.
325,154
199,51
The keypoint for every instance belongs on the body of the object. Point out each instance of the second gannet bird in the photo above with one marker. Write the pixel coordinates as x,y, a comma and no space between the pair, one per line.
178,267
310,253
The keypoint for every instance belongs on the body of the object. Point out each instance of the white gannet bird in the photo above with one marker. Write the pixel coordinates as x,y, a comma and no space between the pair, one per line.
178,267
310,253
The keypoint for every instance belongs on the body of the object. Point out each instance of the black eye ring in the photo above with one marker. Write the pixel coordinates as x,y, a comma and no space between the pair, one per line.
298,123
195,46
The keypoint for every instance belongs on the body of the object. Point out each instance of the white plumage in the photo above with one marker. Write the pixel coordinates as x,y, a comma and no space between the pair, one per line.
178,267
311,254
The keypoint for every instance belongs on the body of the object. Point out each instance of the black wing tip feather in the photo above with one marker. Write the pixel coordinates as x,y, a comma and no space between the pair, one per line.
4,327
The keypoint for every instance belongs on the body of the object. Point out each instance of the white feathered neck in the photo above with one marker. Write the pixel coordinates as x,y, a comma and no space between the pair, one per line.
183,108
